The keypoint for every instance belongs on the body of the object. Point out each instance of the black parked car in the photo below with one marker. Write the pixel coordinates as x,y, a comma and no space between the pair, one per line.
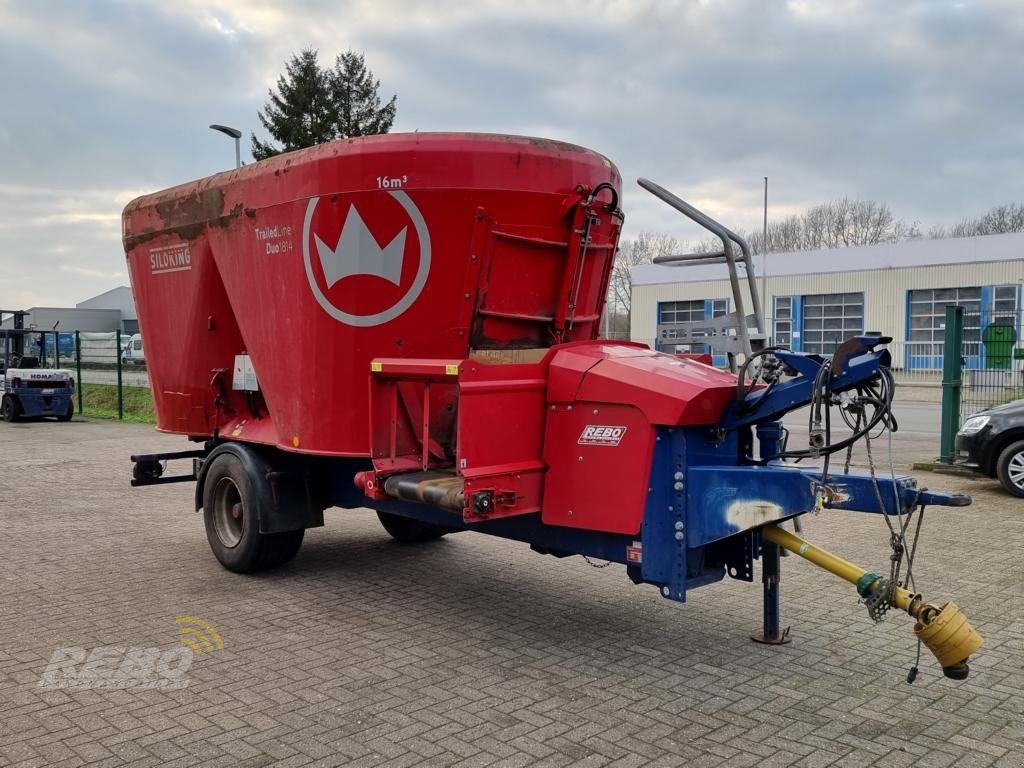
992,442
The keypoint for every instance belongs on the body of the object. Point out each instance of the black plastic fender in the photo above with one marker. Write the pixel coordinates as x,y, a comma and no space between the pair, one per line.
284,500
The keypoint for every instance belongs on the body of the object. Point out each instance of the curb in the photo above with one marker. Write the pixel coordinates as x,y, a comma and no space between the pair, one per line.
943,469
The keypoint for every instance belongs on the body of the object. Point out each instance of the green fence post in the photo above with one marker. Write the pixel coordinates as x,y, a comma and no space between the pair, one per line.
952,373
78,368
120,386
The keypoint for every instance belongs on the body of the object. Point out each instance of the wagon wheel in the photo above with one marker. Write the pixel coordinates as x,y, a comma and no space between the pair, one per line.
230,498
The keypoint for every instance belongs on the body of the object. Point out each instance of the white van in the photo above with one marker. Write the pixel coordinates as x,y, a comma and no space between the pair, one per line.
132,352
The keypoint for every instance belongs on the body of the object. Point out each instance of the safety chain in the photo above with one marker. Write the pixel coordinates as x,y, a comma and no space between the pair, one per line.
877,592
882,597
897,538
887,589
592,564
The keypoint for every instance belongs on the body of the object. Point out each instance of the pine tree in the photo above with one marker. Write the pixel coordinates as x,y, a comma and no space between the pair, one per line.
359,110
314,105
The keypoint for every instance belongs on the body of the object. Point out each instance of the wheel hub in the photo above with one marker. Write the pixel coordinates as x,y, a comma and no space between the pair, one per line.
228,512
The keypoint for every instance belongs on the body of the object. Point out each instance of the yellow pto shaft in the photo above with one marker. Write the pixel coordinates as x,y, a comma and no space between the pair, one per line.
943,629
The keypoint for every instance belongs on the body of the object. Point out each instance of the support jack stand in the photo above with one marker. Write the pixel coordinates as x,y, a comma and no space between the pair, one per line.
771,633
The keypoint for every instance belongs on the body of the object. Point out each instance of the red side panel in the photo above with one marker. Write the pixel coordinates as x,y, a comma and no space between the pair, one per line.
500,419
605,401
599,459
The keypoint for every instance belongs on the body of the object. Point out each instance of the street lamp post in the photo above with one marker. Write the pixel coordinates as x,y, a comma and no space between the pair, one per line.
765,304
235,134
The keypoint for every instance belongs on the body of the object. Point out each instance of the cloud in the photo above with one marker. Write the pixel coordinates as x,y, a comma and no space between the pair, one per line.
86,272
908,103
76,217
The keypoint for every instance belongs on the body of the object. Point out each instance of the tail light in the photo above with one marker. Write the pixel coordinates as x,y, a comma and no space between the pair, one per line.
71,383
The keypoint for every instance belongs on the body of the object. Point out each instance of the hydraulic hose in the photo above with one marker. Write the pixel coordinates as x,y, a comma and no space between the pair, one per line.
882,412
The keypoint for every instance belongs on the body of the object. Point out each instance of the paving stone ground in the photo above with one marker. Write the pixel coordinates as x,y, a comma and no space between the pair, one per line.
474,651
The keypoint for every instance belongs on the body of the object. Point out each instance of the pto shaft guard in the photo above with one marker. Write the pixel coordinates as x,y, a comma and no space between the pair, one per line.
943,629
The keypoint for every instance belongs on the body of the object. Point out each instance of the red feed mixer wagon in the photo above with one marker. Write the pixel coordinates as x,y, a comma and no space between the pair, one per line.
410,323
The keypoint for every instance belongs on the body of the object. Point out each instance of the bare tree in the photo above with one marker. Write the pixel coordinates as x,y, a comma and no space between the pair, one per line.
835,224
631,253
999,220
846,222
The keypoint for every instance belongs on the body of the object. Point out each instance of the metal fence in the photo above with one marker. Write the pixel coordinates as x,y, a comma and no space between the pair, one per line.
110,369
992,361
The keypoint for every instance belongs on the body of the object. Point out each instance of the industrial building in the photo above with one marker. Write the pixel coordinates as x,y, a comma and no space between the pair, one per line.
113,310
119,299
816,299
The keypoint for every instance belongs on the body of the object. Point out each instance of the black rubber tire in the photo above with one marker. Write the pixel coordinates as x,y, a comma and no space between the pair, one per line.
224,481
1009,464
409,531
69,413
9,408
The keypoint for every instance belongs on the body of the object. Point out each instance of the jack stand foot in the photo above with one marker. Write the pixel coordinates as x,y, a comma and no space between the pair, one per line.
771,568
782,638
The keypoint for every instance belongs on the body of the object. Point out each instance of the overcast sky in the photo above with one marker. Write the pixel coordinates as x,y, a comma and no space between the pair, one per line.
918,104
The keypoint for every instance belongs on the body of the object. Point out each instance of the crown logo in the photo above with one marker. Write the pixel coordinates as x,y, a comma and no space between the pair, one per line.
358,253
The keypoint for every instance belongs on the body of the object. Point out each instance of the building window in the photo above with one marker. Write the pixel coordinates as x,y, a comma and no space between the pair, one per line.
782,321
1004,300
680,311
692,311
984,308
829,319
927,316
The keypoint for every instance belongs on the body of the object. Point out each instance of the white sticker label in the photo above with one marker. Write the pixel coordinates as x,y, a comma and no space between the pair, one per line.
599,434
170,258
275,238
